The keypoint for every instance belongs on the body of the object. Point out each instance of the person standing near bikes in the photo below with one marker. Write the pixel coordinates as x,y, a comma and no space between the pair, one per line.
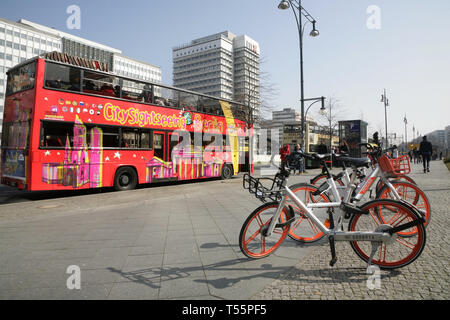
426,149
296,160
284,153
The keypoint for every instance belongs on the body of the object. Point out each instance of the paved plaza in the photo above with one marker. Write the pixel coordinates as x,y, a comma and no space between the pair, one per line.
180,241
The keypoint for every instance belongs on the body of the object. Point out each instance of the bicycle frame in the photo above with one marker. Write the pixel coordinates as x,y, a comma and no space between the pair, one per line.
365,185
338,235
362,189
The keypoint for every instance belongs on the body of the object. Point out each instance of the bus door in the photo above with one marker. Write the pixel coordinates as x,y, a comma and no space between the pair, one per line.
159,145
174,138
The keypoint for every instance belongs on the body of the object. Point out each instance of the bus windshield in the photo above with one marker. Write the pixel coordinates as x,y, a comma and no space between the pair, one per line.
21,79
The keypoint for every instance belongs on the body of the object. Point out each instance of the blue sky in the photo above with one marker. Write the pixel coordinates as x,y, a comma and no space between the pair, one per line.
409,55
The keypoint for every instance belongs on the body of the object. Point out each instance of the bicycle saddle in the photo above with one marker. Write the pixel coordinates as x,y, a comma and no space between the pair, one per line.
357,162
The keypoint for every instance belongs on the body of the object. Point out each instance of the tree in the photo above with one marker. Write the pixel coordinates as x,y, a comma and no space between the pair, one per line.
258,95
334,113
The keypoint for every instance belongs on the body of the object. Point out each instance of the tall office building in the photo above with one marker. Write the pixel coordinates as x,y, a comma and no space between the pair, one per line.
246,72
22,40
222,65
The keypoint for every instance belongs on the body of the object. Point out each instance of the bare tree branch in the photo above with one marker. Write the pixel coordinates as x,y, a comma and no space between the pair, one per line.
259,97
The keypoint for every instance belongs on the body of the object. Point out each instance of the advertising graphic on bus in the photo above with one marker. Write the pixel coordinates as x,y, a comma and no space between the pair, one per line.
68,124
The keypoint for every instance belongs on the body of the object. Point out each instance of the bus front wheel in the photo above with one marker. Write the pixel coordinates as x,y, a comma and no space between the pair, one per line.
125,179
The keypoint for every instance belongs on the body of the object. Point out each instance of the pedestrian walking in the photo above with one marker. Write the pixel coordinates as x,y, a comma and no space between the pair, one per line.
416,155
426,149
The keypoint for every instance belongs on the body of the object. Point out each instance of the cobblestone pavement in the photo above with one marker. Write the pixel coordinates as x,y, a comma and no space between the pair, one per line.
426,278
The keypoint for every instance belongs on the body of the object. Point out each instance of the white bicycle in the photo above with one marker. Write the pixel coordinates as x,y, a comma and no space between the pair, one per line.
375,240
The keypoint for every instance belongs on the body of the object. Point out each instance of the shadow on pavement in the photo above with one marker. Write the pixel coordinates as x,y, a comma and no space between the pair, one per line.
154,276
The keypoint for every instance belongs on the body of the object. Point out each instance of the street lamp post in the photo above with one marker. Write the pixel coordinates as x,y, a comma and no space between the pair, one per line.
406,133
322,99
297,5
386,104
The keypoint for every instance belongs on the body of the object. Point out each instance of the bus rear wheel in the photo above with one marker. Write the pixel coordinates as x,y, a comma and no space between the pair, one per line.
227,171
125,179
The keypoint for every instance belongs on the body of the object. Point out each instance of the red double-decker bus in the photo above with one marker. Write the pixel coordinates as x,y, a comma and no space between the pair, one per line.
68,123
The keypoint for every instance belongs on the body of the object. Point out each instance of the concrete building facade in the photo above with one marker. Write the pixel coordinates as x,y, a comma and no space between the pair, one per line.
23,40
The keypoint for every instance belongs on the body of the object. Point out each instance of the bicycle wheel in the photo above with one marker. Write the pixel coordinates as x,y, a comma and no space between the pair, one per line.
321,178
252,241
303,229
398,251
410,193
380,183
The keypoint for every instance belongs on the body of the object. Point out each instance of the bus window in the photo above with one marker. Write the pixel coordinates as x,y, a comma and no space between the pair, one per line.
146,94
101,84
188,101
158,145
145,140
21,79
62,77
238,111
130,138
166,97
211,106
132,90
55,134
110,137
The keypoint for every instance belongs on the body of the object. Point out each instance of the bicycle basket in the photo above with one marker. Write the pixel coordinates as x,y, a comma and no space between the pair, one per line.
255,186
394,166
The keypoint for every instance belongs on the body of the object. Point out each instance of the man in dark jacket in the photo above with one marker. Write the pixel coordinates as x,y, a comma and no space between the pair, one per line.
426,149
296,160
